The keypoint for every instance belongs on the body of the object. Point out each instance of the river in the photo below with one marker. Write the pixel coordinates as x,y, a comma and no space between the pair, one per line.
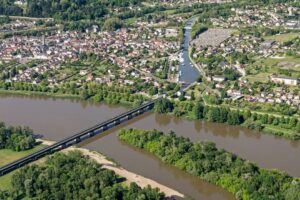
59,118
56,119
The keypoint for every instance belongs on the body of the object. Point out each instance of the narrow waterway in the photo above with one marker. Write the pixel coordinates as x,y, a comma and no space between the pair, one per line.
59,118
188,73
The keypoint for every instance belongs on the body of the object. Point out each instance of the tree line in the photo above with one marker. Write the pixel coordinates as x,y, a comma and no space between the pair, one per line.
16,138
240,177
72,10
221,114
114,94
73,176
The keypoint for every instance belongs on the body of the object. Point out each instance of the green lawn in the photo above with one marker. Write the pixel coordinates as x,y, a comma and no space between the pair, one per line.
260,77
283,37
268,66
286,132
5,183
131,21
7,156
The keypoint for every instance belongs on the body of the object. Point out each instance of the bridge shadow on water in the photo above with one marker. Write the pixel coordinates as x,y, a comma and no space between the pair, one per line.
112,130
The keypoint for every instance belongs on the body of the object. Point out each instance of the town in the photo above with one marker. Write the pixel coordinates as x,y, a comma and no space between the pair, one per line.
241,61
150,99
132,51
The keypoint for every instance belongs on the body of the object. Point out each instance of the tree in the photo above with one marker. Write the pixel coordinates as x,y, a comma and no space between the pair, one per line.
73,176
234,118
293,193
205,160
16,138
199,79
198,110
112,24
153,91
192,96
213,114
84,94
293,122
230,74
163,106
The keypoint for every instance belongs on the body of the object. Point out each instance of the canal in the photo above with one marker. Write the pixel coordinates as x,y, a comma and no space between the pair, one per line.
56,119
187,72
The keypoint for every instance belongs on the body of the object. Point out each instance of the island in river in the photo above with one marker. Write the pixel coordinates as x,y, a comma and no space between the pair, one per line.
56,119
130,176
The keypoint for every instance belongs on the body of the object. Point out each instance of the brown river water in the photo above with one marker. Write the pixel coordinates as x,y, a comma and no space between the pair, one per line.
56,119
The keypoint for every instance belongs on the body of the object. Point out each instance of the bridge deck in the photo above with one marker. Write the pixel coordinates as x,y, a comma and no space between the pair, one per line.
78,137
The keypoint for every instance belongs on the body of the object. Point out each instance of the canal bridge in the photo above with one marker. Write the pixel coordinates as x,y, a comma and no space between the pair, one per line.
79,137
90,132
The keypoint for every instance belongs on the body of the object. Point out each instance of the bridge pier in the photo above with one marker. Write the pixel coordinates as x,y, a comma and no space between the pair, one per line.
128,117
77,140
63,146
116,122
78,137
91,134
103,128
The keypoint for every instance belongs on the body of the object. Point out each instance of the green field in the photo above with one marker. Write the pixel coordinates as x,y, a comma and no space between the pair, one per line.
268,66
5,181
275,129
8,156
260,77
283,37
131,21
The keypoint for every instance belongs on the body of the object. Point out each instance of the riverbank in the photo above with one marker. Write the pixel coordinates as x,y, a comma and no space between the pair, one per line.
130,177
280,132
34,93
62,96
56,119
242,178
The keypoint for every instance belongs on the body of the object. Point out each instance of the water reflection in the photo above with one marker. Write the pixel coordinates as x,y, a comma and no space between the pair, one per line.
59,118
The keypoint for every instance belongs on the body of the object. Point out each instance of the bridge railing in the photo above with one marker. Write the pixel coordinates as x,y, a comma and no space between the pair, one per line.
77,138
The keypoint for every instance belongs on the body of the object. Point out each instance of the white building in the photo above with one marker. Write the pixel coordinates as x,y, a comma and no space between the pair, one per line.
284,80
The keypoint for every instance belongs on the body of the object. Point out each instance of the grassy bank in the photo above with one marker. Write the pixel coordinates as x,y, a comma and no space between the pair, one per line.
63,96
8,156
33,93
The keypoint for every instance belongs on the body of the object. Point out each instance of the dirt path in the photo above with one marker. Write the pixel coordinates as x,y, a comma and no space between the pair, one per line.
130,176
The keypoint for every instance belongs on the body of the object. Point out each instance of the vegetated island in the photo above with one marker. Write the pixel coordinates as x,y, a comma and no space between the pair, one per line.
110,165
73,176
242,178
76,169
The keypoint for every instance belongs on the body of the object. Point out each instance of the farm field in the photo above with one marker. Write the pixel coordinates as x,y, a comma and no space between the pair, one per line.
283,37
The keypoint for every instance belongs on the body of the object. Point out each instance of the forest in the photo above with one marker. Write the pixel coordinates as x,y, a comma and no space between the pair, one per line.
72,10
16,138
203,159
73,176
